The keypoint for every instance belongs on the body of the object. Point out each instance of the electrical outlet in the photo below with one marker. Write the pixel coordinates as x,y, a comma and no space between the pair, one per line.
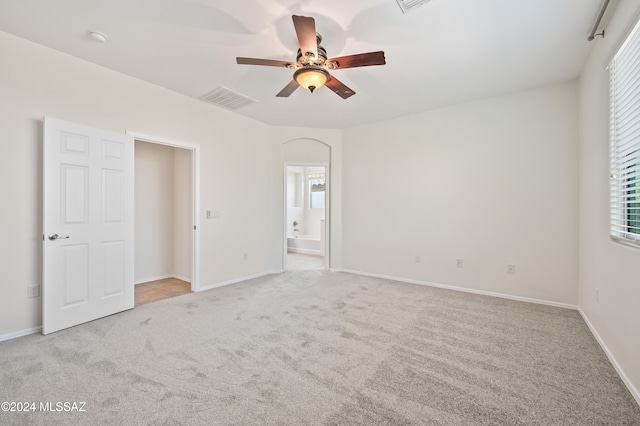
459,263
418,259
511,269
208,214
33,291
597,295
216,214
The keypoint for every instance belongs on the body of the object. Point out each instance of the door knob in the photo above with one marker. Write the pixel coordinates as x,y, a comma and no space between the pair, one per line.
53,237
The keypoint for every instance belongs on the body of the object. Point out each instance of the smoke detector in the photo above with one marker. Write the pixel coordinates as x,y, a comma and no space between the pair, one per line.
98,36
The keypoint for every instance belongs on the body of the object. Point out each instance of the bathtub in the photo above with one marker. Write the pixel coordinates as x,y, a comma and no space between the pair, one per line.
307,244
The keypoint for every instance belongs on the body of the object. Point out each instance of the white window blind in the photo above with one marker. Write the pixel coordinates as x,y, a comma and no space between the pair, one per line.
624,116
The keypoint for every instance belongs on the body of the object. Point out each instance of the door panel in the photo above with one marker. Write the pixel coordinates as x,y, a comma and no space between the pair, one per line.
88,203
112,196
113,261
76,278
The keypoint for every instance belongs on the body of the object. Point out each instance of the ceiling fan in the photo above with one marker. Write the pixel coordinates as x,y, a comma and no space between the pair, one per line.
312,64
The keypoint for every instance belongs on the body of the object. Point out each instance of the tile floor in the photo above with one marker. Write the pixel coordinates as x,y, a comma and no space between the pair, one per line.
160,289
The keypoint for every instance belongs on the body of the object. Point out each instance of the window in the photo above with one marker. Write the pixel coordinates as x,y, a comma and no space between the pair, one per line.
624,125
316,191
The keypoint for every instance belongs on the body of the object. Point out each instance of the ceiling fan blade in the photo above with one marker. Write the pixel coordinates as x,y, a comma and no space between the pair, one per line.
359,60
306,31
288,89
339,88
265,62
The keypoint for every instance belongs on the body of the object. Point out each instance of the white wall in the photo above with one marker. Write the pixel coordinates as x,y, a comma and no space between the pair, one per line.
154,218
298,192
183,214
295,200
492,182
163,212
36,81
611,268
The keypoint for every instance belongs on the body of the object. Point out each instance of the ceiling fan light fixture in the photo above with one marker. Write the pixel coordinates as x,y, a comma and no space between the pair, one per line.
311,78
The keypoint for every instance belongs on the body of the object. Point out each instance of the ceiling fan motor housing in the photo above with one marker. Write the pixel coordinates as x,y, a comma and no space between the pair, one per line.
309,59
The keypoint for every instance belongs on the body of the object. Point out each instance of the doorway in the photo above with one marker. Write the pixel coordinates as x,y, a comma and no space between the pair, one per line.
166,222
306,236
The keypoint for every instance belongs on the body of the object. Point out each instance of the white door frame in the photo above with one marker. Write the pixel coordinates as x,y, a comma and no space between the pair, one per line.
195,149
327,211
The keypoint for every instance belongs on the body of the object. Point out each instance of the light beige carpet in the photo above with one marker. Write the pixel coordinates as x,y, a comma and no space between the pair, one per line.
321,348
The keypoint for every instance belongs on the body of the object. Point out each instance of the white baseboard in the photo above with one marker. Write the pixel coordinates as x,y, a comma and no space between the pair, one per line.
20,333
625,379
466,290
303,251
180,277
237,280
163,277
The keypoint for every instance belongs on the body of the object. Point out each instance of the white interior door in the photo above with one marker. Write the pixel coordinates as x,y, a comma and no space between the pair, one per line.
88,223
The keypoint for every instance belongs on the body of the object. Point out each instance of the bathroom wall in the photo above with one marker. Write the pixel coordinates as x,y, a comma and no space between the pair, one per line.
299,202
312,217
295,200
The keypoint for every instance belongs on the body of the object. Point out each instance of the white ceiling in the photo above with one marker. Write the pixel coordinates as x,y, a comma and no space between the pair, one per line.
442,53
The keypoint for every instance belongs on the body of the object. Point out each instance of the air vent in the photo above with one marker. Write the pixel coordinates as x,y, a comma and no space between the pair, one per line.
409,5
227,98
